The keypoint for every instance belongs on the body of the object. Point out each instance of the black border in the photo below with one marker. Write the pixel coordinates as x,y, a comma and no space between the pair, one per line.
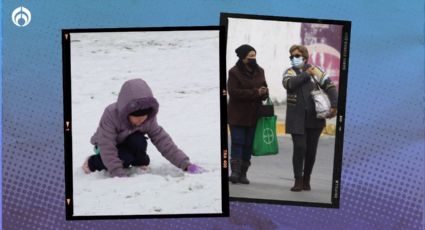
66,59
342,91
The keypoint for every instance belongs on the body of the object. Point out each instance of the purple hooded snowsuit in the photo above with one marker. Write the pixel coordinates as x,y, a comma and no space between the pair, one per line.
115,126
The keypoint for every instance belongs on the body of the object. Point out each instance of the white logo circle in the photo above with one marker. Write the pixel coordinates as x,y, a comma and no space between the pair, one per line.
21,16
268,136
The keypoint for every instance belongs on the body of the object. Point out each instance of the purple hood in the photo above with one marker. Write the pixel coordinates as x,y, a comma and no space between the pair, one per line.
114,127
134,95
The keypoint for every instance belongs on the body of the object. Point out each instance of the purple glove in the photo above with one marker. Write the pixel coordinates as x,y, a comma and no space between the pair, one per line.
194,169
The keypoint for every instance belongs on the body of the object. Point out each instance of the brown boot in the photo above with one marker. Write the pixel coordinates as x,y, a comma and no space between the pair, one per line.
298,186
306,183
244,168
235,166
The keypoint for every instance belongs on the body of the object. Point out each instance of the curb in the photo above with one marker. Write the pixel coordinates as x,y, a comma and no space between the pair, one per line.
328,130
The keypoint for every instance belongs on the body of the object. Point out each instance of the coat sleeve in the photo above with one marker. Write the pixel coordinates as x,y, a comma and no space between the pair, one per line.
330,90
107,145
235,90
263,75
166,146
291,81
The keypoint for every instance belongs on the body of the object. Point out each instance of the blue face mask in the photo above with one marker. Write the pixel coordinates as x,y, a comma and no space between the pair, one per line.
297,62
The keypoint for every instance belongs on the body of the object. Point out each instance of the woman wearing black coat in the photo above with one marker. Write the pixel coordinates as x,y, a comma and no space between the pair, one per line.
301,121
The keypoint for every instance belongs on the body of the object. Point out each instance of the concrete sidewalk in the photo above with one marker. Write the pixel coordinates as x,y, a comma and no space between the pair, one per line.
271,177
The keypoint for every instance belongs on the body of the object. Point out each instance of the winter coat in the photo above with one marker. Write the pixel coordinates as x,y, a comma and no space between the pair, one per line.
114,127
300,108
244,99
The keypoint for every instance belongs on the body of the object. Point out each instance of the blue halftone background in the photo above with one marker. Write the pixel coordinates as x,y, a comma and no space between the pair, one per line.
1,108
383,164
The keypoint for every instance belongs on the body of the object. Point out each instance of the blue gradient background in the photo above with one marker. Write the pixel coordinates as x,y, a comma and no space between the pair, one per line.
383,161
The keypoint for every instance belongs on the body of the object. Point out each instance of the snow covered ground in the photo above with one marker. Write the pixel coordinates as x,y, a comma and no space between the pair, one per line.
182,69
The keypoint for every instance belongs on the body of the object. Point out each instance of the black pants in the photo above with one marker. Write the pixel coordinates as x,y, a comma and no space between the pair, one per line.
305,148
132,152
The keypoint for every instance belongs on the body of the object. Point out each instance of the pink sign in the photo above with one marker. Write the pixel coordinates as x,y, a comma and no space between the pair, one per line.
324,45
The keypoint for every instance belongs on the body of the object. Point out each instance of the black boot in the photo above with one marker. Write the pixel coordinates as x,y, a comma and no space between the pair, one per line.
306,183
235,166
298,186
244,168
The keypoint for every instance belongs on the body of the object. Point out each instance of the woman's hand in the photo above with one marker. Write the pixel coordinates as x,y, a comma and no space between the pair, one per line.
263,91
332,113
313,71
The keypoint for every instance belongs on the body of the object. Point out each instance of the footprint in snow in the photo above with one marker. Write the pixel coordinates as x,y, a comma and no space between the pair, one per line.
196,186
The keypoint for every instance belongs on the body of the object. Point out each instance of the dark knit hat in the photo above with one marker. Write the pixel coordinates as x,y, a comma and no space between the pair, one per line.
243,50
141,112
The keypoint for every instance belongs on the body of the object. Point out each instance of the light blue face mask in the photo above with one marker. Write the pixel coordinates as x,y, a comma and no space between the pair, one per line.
297,62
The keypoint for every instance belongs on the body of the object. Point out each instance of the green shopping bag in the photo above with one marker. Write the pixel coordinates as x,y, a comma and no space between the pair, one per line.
265,139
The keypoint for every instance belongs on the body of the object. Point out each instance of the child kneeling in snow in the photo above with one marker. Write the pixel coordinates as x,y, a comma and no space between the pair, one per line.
120,138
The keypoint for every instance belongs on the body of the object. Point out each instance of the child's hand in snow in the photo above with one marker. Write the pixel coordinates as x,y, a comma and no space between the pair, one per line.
194,169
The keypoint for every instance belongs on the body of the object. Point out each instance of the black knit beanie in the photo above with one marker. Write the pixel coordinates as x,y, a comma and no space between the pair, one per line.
243,50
